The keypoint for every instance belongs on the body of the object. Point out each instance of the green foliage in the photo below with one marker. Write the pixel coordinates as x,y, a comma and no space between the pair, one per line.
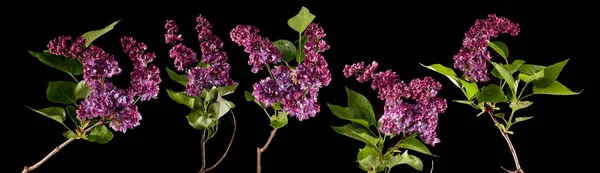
58,114
556,88
70,134
287,48
100,134
81,91
72,113
470,89
181,98
300,22
207,108
550,74
179,78
91,36
67,65
279,121
61,92
373,157
249,97
533,77
491,93
500,47
506,75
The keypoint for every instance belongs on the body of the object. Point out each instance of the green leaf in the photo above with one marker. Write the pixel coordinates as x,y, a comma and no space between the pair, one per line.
414,144
61,92
300,22
491,93
56,113
279,121
358,132
551,73
530,68
511,68
179,78
528,78
181,98
220,107
70,134
500,47
82,90
91,36
198,120
287,49
100,134
556,88
211,95
346,114
510,81
276,106
202,64
300,54
415,162
471,88
520,119
520,105
249,96
499,115
466,102
72,113
67,65
357,100
368,158
226,90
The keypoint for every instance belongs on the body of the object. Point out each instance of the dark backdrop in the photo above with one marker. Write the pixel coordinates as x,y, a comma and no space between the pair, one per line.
399,35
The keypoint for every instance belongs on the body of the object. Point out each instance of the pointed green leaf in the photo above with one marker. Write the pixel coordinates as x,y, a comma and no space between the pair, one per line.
362,105
179,78
500,47
70,134
414,144
249,96
551,73
226,90
466,102
82,90
491,93
67,65
279,121
276,106
56,113
346,114
415,162
556,88
499,115
198,120
91,36
211,95
528,78
61,92
300,22
202,64
100,134
72,113
520,105
520,119
510,81
470,88
287,49
530,68
368,158
510,68
358,132
220,107
181,98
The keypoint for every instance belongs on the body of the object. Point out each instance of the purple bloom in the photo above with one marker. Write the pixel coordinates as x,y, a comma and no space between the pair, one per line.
300,104
262,51
65,46
172,37
144,78
272,90
200,78
472,57
99,64
313,70
411,108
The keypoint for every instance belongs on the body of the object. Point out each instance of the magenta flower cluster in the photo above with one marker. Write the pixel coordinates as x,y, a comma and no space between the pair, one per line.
409,109
105,100
200,78
297,89
473,56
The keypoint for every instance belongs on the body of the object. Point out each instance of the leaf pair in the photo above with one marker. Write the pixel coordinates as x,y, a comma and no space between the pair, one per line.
207,108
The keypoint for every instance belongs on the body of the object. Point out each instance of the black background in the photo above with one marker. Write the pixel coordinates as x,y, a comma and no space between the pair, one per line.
399,35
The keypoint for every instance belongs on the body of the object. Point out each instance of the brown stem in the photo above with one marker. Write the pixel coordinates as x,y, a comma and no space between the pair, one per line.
431,171
56,150
228,146
259,150
510,146
202,150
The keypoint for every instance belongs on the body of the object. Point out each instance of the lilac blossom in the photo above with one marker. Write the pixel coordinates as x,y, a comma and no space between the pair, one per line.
216,73
262,51
144,78
411,108
472,58
113,105
299,97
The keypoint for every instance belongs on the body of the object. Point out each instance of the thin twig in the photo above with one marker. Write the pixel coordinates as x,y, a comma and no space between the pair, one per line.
510,146
56,150
431,171
203,151
228,146
259,150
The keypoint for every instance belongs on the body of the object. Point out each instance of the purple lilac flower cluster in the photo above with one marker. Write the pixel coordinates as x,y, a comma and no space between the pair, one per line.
411,108
298,98
473,56
200,78
105,100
